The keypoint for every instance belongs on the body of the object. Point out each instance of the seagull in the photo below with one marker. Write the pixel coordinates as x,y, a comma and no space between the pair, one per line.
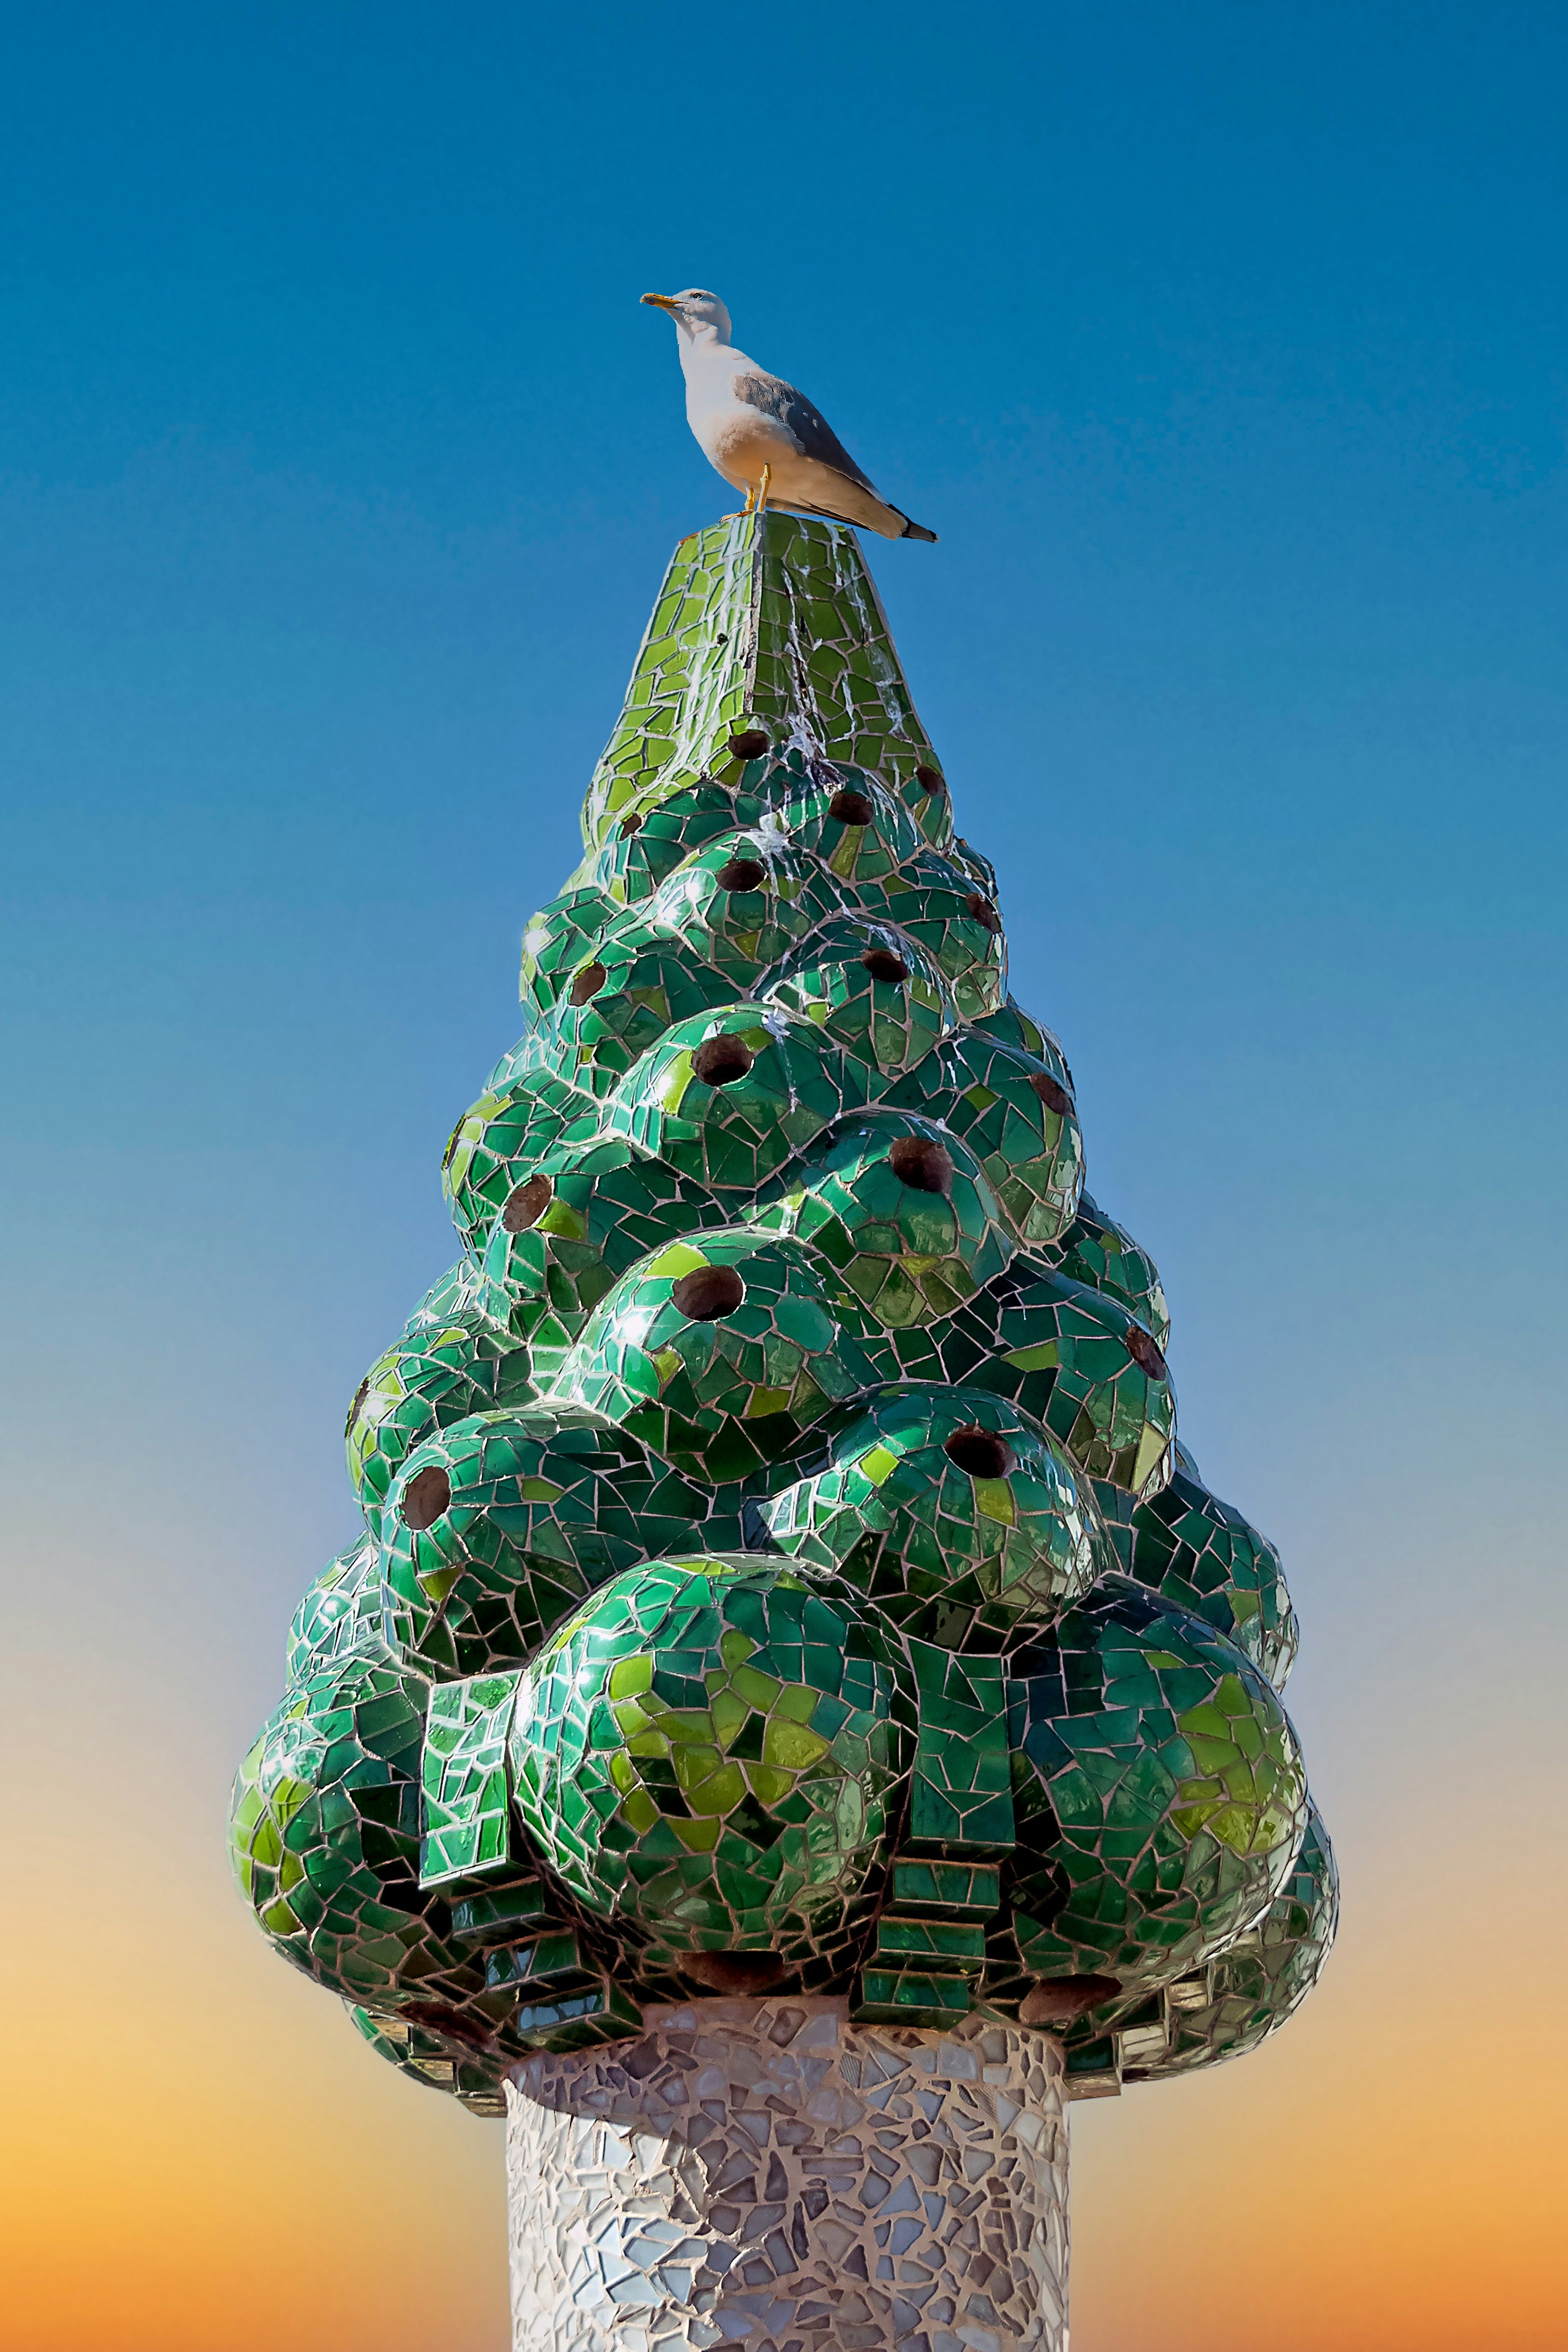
761,434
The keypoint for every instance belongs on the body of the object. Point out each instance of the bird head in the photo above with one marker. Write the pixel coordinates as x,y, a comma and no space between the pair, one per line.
701,316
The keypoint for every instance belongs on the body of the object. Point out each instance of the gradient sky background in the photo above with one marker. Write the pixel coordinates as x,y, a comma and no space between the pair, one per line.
1225,347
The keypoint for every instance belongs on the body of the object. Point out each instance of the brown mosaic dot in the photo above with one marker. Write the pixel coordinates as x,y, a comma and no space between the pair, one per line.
458,2024
883,964
720,1061
708,1293
1054,1097
922,1164
587,983
984,912
1059,1999
426,1496
980,1451
749,744
1145,1352
848,807
732,1972
742,873
526,1205
930,779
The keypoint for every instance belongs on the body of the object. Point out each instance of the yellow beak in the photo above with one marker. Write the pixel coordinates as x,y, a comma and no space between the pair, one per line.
661,301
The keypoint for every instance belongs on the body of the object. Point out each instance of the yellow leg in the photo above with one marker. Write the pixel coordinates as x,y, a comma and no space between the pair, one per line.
763,492
751,502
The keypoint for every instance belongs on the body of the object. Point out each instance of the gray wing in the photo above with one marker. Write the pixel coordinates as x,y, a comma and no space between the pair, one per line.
811,430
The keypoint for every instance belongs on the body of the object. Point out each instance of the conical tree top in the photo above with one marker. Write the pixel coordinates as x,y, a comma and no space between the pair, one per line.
774,1569
766,625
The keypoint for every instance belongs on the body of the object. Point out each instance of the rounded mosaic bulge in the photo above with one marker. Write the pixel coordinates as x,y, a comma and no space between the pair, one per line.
937,903
629,985
952,1510
1075,1359
464,1289
508,1124
743,902
727,1097
901,1210
575,1218
1260,1980
324,1840
874,991
720,1351
1096,1250
861,832
497,1527
341,1615
423,1382
1016,1117
917,780
1158,1791
973,863
1011,1025
554,942
655,834
712,1754
436,2060
1202,1554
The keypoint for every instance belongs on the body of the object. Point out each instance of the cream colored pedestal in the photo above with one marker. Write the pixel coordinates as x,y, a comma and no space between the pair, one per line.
761,2173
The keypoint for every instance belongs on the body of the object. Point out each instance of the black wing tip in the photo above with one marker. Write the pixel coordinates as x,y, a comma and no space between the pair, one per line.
917,530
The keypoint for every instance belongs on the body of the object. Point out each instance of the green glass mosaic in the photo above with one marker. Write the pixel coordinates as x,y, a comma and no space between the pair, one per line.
1199,1552
719,1352
1016,1117
434,1375
712,1751
901,1209
743,904
780,1568
959,1515
467,1803
873,990
576,1217
726,1097
1225,2008
505,1521
1094,1249
1158,1787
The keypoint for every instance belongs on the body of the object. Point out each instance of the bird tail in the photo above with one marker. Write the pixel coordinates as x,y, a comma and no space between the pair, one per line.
913,530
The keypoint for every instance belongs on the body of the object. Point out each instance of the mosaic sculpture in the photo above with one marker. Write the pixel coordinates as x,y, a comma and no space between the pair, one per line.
796,1708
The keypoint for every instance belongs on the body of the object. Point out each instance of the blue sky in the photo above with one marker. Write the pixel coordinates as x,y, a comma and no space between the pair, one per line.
1224,349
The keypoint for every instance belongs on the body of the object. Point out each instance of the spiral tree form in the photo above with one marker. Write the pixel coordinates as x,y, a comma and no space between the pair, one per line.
781,1577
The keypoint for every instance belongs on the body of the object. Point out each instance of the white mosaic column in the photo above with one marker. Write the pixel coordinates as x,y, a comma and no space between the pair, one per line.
763,2173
